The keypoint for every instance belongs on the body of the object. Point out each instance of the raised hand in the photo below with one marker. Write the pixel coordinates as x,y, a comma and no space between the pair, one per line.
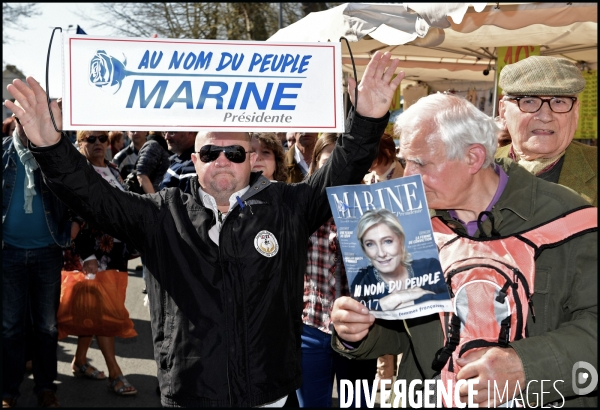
32,112
351,319
376,89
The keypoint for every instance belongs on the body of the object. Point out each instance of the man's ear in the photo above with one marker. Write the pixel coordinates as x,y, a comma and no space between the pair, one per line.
475,157
253,156
576,109
194,158
501,108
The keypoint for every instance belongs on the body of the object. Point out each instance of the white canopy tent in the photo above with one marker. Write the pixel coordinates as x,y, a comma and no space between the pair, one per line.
452,43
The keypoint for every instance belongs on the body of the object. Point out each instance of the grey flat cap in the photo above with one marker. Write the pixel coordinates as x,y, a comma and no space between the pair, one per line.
541,75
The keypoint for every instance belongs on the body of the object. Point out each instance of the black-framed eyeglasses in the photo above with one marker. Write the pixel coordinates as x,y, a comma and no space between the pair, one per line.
234,153
92,139
531,104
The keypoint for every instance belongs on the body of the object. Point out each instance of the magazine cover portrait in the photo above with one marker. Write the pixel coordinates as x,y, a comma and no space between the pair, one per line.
389,252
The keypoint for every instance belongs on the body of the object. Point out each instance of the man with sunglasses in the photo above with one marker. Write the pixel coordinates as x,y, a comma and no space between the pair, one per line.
540,110
226,262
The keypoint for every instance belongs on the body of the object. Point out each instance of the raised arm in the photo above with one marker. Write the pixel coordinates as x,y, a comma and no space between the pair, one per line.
377,88
67,174
33,112
357,148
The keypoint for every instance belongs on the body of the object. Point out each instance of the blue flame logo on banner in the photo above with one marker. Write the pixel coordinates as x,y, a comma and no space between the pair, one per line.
106,70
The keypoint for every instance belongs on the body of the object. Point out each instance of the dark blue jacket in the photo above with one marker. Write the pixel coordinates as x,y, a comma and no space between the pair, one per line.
57,214
180,172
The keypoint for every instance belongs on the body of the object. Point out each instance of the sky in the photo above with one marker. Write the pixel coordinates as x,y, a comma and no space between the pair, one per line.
28,48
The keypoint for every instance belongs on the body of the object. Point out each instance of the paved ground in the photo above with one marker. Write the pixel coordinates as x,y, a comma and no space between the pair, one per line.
135,356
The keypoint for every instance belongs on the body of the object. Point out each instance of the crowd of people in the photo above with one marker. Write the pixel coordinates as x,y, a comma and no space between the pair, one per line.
246,284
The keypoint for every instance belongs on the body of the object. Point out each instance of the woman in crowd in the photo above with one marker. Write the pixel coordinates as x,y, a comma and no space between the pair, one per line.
324,281
116,143
95,251
269,156
382,240
386,166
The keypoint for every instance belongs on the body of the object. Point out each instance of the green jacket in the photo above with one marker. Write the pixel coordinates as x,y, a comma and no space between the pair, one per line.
565,299
579,171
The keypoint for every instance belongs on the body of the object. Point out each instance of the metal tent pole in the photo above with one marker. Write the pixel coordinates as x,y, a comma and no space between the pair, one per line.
494,108
280,17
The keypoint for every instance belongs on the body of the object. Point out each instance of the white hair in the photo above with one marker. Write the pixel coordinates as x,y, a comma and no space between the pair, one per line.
452,119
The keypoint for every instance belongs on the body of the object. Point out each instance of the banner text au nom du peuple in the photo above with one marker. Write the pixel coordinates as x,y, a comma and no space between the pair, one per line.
193,85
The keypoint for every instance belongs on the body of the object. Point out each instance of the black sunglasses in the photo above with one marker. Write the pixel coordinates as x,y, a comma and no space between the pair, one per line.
92,139
234,153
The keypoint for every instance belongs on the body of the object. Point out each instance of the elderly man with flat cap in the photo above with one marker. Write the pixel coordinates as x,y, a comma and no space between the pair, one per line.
540,111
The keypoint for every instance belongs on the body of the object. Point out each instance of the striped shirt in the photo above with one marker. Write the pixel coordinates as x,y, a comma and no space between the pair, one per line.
180,171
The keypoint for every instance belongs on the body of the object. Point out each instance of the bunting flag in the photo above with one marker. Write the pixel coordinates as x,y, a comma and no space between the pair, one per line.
80,30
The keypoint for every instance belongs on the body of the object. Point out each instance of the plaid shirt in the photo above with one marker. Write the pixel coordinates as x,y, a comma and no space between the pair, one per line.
320,279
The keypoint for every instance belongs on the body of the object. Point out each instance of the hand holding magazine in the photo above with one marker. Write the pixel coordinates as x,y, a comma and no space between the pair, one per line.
391,258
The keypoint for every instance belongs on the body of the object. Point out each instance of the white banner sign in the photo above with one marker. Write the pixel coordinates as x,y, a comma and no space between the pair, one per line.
191,85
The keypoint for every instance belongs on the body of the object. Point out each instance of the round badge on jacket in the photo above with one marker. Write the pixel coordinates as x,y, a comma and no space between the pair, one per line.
266,244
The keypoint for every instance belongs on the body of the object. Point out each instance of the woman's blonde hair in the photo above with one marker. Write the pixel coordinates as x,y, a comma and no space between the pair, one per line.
378,216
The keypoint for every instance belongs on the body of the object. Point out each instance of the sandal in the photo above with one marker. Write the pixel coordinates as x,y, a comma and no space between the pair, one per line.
81,371
112,384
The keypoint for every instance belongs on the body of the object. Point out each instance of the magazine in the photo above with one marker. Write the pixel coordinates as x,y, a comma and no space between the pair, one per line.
391,259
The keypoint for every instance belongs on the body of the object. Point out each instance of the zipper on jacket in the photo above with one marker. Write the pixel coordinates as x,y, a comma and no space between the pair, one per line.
226,310
230,217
